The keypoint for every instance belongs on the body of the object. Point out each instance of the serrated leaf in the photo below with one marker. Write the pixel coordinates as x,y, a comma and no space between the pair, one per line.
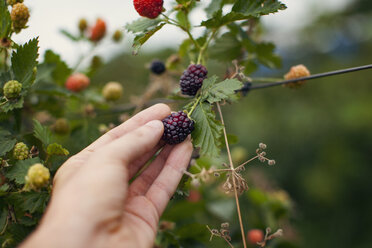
140,39
215,92
12,104
7,143
42,133
56,149
18,171
61,70
213,7
226,48
207,132
24,59
265,54
5,21
142,25
242,10
30,201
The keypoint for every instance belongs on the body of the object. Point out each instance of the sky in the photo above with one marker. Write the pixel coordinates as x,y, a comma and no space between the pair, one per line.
48,17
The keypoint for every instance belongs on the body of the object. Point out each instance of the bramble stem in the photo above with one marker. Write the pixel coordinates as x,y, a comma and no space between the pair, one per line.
233,178
205,46
194,106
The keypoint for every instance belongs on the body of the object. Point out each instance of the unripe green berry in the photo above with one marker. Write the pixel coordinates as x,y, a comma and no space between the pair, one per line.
112,91
12,89
61,126
117,36
83,25
19,16
20,151
37,176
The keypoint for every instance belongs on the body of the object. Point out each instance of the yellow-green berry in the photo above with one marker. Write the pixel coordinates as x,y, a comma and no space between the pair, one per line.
19,16
12,89
37,176
117,36
20,151
61,126
112,91
83,25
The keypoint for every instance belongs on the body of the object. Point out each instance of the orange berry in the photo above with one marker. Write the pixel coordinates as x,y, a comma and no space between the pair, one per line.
255,235
77,82
98,31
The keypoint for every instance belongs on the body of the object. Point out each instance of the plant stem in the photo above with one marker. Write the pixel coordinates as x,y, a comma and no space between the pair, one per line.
233,177
205,46
246,162
194,106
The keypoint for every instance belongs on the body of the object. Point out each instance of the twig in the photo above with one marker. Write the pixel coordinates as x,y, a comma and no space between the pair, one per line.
233,178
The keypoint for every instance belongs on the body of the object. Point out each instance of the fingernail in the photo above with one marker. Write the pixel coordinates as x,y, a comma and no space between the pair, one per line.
155,124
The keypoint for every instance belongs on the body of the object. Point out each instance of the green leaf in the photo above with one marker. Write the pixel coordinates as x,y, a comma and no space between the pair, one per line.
24,59
207,131
42,133
18,171
140,39
3,217
224,90
12,104
226,48
7,143
61,70
30,201
265,54
5,21
56,149
142,25
213,7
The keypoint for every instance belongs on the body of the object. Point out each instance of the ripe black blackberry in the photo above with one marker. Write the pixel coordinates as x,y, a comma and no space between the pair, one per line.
192,79
177,127
157,67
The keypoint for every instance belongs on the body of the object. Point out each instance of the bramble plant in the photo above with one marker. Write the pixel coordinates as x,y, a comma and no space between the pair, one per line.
45,107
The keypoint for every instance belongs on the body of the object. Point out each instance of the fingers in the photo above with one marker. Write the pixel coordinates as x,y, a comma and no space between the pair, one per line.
135,144
143,181
156,112
166,183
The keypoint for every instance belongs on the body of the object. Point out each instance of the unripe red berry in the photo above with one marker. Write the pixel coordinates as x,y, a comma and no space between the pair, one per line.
98,31
194,196
255,235
19,16
148,8
77,82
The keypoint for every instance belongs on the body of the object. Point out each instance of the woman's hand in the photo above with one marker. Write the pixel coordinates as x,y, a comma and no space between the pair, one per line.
92,203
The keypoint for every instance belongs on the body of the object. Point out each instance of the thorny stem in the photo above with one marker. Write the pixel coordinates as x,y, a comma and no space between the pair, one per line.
233,178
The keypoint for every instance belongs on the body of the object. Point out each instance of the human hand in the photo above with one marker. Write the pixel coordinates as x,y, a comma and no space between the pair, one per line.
93,205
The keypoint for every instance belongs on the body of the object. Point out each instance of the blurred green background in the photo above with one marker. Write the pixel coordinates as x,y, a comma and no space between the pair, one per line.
319,135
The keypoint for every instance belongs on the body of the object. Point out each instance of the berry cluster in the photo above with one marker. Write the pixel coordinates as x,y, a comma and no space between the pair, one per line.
177,127
37,176
20,151
192,79
19,16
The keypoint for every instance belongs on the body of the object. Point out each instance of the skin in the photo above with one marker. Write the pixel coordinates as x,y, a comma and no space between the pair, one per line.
92,203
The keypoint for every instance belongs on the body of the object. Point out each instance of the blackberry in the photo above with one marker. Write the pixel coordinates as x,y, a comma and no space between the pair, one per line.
157,67
192,79
177,127
20,151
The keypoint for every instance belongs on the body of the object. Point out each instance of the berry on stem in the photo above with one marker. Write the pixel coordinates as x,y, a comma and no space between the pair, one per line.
112,91
255,235
192,79
157,67
83,25
37,176
77,82
117,36
12,89
177,127
148,8
20,151
61,126
19,16
296,72
98,30
12,2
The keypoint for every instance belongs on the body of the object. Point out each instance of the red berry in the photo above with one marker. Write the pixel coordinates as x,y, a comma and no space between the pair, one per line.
177,127
194,196
192,79
98,31
255,235
77,82
148,8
